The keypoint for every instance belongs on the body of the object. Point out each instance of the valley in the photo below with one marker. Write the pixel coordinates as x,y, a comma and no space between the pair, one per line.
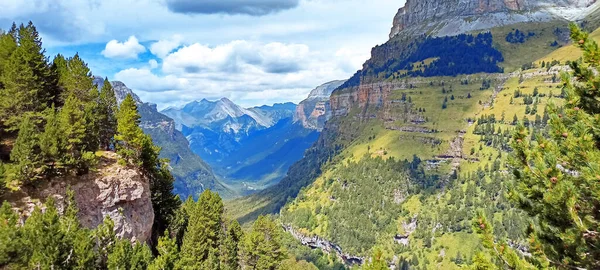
468,139
252,149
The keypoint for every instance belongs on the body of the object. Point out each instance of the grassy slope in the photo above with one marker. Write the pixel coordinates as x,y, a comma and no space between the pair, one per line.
567,53
378,141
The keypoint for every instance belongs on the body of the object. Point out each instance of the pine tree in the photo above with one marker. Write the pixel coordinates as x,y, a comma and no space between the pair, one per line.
168,254
262,247
105,241
200,249
164,202
129,136
377,262
141,257
8,44
230,258
51,140
179,223
75,77
73,128
92,121
45,238
12,250
26,77
81,253
121,256
25,155
107,112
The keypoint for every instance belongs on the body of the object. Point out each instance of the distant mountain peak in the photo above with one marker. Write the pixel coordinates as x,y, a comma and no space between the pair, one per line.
224,113
314,111
121,90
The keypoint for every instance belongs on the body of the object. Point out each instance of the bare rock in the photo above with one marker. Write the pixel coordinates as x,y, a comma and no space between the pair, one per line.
451,17
121,193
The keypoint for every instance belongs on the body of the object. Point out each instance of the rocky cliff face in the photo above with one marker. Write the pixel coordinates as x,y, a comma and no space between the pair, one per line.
315,110
121,193
449,17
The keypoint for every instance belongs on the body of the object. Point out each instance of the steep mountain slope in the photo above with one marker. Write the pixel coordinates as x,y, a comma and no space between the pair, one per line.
418,145
192,174
315,110
251,148
454,17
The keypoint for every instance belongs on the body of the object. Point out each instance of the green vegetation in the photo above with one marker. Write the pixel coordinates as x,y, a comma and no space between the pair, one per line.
53,121
346,194
556,177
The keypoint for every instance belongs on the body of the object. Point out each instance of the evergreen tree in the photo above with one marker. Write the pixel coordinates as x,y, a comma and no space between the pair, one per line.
164,202
121,256
129,135
200,249
292,264
377,262
51,140
229,258
105,241
46,239
141,257
12,250
262,247
557,176
26,78
73,126
179,223
8,44
25,155
92,121
75,77
168,254
81,253
107,114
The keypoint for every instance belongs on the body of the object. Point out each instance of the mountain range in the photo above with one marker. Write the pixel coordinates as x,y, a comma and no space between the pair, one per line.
191,173
252,148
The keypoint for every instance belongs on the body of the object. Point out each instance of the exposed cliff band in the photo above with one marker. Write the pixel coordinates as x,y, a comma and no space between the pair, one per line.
441,18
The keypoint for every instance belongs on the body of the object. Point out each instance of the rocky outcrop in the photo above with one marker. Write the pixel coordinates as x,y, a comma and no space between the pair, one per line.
450,17
315,242
121,193
315,110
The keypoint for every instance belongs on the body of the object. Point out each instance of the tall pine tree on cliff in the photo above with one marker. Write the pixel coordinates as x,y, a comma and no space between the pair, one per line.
107,114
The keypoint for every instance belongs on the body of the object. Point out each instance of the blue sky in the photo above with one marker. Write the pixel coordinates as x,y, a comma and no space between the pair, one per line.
171,52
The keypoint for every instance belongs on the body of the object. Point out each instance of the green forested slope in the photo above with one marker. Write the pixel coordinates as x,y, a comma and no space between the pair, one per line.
377,181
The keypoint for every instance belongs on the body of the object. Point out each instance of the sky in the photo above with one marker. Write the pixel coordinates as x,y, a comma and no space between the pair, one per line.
171,52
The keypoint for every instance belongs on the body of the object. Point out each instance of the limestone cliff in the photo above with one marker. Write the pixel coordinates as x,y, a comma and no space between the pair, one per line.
121,193
315,110
450,17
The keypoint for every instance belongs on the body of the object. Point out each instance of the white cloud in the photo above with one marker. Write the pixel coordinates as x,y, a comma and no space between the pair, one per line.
128,49
250,73
309,45
153,64
351,59
163,47
237,55
145,80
